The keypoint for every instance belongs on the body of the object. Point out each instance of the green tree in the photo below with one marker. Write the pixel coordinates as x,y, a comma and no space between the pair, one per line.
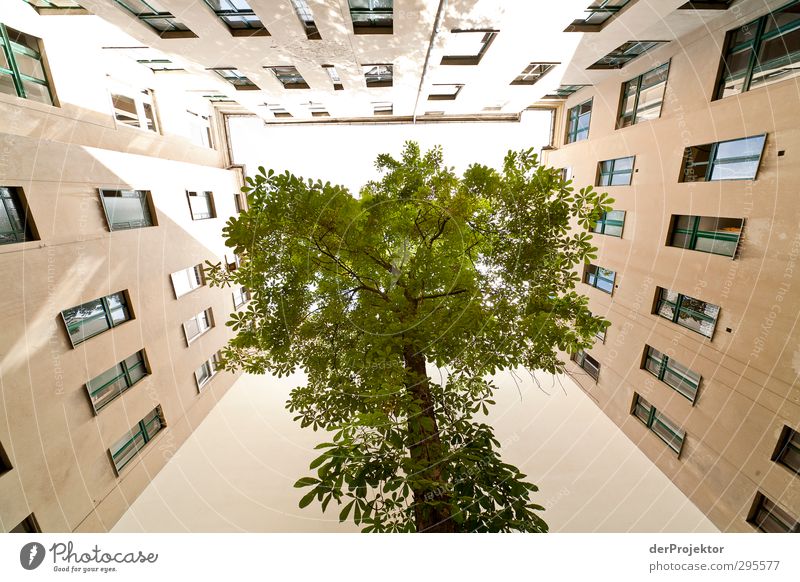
473,275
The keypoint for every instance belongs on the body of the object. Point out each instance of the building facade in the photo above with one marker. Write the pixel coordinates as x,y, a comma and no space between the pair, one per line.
114,192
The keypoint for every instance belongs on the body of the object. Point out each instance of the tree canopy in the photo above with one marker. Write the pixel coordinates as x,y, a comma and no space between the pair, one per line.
365,294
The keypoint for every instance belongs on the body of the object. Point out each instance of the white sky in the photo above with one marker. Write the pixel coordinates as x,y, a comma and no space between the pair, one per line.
345,154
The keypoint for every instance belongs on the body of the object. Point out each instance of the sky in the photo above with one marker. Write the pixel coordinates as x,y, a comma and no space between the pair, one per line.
250,452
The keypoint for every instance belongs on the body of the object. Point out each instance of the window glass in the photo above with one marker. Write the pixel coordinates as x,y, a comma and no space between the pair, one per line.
187,280
86,320
126,209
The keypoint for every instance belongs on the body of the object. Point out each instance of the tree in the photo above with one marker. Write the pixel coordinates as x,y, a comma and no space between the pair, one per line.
473,275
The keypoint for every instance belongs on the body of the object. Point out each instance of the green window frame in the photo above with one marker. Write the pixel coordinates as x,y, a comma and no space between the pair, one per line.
706,234
599,278
372,16
759,54
16,224
201,204
564,91
694,314
625,53
587,363
127,448
671,434
643,97
597,15
578,120
206,371
233,76
672,373
51,6
787,451
94,317
616,172
289,77
378,75
733,159
611,223
767,517
151,13
238,16
22,67
126,209
112,383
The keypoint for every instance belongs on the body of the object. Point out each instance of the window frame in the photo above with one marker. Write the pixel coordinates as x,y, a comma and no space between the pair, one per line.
5,461
573,132
593,369
28,525
306,17
202,123
653,416
678,308
7,46
445,96
687,165
287,79
141,428
198,194
490,35
178,29
638,80
788,439
694,234
142,99
212,365
232,13
604,221
664,367
588,274
148,210
16,199
621,57
200,277
522,78
583,24
376,21
125,303
759,505
239,81
209,316
245,294
378,79
611,174
125,374
754,45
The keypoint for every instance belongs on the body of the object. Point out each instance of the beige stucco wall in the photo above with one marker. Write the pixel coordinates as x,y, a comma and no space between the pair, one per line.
750,367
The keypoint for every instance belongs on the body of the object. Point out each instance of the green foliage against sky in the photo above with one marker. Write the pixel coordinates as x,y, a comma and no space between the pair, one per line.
472,274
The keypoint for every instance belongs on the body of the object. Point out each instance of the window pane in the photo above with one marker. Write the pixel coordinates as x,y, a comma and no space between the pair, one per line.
627,110
681,379
13,227
30,66
37,92
126,209
652,362
744,170
149,116
697,159
125,110
186,280
136,367
7,84
642,410
739,148
118,307
620,178
718,235
667,431
107,386
85,321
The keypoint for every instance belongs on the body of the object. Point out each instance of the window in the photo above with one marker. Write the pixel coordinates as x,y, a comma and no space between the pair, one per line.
761,52
532,73
159,65
153,14
467,47
238,16
201,205
198,325
5,462
599,278
126,209
15,223
735,159
303,12
232,262
333,74
187,280
578,119
289,77
597,14
219,98
673,374
235,78
610,223
55,6
200,129
625,53
687,311
588,363
770,518
601,335
317,110
444,92
382,108
642,97
378,75
125,449
787,453
22,70
206,371
372,16
708,234
240,200
663,427
240,297
564,91
94,317
617,172
706,5
27,525
278,110
135,111
116,380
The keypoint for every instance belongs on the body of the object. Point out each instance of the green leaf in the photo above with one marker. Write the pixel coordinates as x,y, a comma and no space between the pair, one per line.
306,482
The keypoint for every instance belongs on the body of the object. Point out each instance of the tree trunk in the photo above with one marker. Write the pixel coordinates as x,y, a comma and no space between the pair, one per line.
432,508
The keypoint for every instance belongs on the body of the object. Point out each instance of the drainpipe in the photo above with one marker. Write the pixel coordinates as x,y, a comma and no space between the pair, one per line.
436,24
